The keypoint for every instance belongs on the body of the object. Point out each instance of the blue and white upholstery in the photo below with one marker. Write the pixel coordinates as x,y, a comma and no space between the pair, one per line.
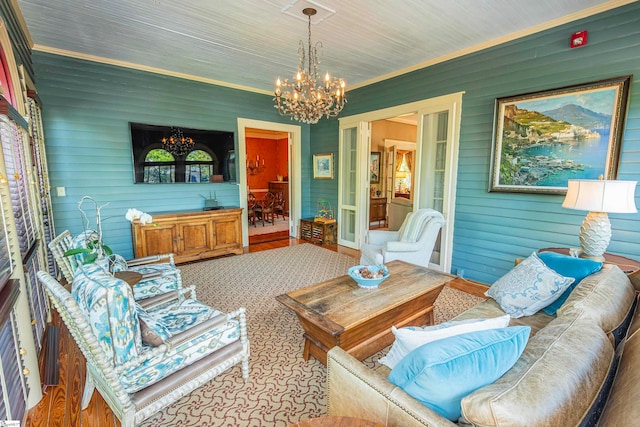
196,342
413,243
158,278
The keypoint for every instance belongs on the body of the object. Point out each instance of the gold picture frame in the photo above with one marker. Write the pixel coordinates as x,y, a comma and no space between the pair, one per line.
323,166
543,139
374,167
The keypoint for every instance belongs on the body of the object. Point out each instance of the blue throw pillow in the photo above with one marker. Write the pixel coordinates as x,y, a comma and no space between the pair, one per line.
567,266
439,374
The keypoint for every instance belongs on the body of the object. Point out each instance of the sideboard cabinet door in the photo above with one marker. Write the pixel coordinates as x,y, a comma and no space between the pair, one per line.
190,235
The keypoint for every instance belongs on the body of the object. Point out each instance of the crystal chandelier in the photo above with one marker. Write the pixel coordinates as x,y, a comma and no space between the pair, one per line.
307,98
178,144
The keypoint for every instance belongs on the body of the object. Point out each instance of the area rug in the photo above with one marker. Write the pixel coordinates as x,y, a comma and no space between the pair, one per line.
279,224
283,388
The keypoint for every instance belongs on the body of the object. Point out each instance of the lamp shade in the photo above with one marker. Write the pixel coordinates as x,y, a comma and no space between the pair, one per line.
601,196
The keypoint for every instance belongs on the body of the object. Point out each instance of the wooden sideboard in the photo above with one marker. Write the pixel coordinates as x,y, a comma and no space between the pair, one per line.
377,209
190,235
281,187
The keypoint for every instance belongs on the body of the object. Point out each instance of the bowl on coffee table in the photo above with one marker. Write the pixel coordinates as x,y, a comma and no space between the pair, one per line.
368,276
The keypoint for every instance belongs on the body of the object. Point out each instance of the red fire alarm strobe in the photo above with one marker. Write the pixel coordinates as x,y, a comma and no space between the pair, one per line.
578,39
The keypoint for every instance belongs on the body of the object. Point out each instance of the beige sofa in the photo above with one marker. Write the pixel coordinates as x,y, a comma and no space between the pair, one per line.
563,377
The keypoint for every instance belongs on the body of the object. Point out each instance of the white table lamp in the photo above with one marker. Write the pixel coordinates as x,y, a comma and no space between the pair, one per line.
599,197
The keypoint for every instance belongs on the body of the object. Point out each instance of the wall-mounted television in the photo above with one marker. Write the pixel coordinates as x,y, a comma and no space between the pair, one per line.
211,157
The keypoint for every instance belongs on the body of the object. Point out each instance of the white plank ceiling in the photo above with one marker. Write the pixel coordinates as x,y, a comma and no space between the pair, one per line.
248,43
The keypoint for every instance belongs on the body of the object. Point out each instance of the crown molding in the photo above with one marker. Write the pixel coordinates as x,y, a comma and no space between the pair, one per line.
140,67
613,4
23,24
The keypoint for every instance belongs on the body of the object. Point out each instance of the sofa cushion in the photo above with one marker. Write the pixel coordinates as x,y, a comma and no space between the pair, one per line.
110,309
604,298
528,287
412,337
554,383
567,266
82,241
190,348
439,374
152,330
490,308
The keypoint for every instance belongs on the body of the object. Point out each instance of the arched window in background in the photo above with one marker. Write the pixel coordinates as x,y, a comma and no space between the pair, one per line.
159,166
200,166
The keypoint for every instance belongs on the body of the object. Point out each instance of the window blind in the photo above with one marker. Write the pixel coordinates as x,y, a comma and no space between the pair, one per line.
14,401
37,300
39,157
12,136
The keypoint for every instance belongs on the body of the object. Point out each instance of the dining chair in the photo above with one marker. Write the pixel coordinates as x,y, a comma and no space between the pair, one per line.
279,205
265,208
251,208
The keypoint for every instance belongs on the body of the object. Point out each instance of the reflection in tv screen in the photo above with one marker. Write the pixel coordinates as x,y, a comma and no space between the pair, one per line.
171,154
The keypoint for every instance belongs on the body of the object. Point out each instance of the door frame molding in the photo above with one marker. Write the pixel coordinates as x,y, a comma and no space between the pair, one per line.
294,170
453,102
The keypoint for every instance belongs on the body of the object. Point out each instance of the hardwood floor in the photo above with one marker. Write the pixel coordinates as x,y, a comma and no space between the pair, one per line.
60,406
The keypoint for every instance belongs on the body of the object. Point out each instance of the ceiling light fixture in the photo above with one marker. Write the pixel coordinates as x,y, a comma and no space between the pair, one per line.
178,144
307,98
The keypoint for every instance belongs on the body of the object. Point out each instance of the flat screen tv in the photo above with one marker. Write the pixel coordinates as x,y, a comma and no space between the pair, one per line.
210,158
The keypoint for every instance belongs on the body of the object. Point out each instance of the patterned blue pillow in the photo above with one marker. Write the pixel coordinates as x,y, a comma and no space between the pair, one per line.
528,287
153,331
568,266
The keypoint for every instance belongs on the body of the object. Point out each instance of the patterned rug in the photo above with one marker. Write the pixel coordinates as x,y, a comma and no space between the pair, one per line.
279,224
283,388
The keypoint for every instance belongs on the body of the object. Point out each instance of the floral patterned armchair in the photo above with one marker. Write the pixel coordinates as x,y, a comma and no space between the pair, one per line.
143,360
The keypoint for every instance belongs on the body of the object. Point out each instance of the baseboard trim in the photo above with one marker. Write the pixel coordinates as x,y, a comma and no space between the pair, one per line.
469,286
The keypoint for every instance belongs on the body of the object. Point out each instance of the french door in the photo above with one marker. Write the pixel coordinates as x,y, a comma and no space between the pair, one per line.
438,124
353,184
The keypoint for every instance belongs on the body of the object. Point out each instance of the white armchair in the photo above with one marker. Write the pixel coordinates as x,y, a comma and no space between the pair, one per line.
413,243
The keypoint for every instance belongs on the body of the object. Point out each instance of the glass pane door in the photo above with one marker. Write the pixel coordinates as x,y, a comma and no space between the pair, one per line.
435,176
347,188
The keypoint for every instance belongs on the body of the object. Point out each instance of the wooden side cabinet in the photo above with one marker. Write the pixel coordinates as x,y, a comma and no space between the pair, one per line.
378,209
318,232
190,235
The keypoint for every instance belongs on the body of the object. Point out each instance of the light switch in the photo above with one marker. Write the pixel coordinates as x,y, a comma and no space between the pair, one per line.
61,191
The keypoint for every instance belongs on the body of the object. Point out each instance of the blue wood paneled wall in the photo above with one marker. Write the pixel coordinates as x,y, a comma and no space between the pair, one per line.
87,110
87,107
491,229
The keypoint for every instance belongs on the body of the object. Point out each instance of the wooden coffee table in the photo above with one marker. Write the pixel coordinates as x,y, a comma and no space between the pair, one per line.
338,312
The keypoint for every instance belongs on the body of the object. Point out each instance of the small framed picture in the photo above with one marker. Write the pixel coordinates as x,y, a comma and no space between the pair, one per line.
374,167
323,166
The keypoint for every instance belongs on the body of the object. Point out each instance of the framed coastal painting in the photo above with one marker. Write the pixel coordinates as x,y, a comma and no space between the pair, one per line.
323,166
543,139
374,167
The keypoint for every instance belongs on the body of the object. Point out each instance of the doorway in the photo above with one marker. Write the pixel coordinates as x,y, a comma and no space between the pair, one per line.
434,169
392,170
269,155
